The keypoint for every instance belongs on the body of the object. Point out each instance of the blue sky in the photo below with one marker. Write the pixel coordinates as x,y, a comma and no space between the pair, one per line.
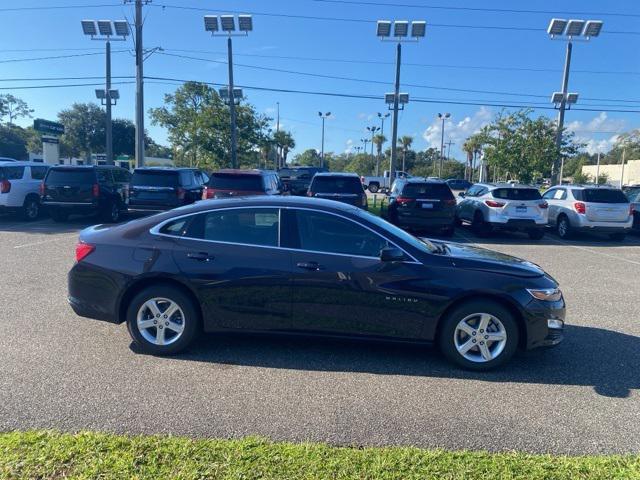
458,53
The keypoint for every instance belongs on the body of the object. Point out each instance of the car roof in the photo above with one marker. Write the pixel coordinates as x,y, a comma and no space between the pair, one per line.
336,174
436,181
493,186
583,186
164,169
237,171
20,163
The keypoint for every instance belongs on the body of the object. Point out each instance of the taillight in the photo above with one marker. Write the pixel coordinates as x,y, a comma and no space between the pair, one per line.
5,186
631,209
95,191
82,250
43,187
580,207
180,192
492,204
543,205
404,200
361,179
208,193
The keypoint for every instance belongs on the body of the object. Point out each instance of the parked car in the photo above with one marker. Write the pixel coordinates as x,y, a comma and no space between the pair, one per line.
296,180
459,184
86,190
341,187
589,208
504,206
236,183
420,204
20,188
377,184
7,159
293,265
156,188
633,194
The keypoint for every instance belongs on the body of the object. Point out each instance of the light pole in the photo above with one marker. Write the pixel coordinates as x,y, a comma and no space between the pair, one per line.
400,34
449,143
443,117
323,116
373,130
569,31
382,118
365,141
228,25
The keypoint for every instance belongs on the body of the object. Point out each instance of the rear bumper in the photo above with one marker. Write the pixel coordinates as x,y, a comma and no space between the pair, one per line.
92,293
519,223
589,226
87,310
422,222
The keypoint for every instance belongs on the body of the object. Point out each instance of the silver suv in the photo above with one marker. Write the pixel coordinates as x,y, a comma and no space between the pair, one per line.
19,187
506,206
589,208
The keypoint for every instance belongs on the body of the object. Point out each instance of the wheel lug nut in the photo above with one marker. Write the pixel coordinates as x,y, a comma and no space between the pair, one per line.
157,315
474,340
473,333
481,331
165,316
155,322
481,343
160,327
167,324
486,337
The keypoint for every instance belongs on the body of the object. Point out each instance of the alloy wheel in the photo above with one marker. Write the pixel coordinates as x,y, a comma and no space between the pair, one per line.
480,337
160,321
32,210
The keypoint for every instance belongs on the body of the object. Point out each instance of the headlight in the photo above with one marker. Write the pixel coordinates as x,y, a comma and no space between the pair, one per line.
546,294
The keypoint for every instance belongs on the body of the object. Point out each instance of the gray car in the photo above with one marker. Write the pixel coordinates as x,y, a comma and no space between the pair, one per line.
633,194
505,206
590,208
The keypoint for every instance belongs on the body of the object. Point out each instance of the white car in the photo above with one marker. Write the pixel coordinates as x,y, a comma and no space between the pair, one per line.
20,188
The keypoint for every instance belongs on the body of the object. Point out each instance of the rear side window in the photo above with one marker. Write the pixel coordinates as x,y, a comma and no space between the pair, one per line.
121,176
154,178
71,176
516,194
336,185
38,173
600,195
250,226
242,182
11,173
633,194
186,178
104,176
427,190
176,227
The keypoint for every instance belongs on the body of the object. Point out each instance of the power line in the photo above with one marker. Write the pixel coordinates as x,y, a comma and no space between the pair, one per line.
47,79
40,87
58,7
57,57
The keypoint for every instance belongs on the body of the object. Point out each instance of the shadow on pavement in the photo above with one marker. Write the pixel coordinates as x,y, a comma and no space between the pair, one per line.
44,225
603,359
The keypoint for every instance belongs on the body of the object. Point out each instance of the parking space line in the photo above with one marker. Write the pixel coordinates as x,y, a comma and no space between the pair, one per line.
633,262
49,240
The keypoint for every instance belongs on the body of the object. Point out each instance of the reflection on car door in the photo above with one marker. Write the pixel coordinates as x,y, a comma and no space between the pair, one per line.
231,258
340,286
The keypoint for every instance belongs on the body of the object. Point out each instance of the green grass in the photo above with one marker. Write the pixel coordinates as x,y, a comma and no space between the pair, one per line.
45,454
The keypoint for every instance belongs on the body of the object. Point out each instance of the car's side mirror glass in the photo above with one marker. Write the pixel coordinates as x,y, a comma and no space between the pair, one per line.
391,254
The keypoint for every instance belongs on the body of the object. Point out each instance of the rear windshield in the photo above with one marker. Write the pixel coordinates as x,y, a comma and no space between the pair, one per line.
517,194
600,195
336,185
11,173
633,194
71,176
151,178
427,190
242,182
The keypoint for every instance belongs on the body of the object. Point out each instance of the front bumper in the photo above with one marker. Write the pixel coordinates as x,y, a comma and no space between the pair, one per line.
545,323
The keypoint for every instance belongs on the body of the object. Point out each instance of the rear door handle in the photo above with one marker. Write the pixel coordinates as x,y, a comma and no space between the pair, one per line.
200,256
314,266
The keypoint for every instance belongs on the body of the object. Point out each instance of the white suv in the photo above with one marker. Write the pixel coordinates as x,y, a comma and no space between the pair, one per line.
589,208
504,205
20,188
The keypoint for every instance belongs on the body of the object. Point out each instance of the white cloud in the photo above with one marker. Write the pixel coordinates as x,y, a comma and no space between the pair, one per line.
349,146
365,116
596,133
457,132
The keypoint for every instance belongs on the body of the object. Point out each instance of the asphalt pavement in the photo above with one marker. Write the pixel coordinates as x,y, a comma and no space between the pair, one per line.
60,371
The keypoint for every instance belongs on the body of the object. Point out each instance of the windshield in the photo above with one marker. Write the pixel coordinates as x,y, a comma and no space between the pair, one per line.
239,182
422,244
517,194
151,178
71,176
336,185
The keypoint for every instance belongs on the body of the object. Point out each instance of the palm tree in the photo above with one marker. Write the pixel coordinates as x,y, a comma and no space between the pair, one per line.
285,142
378,141
265,150
405,143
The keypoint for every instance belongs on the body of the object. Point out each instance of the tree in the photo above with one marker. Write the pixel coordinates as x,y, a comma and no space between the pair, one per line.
309,157
152,149
284,142
405,142
83,130
12,142
378,141
472,147
13,108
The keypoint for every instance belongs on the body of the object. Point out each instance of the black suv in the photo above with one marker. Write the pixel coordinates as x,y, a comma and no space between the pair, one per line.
157,188
100,190
341,187
297,179
422,204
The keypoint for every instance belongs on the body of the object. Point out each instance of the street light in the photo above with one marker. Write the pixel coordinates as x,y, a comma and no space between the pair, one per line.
382,118
443,117
103,30
323,116
400,35
569,31
373,129
225,25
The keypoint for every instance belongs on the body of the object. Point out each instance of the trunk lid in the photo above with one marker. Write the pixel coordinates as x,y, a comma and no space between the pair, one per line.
70,185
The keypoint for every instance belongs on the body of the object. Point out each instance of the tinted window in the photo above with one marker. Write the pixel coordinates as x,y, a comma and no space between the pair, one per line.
286,172
154,178
176,227
427,190
473,191
69,176
336,185
121,176
321,232
186,177
230,181
601,195
421,244
104,176
38,173
516,194
633,194
252,226
11,173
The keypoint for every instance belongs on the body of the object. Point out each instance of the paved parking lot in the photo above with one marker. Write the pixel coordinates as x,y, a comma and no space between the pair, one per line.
61,371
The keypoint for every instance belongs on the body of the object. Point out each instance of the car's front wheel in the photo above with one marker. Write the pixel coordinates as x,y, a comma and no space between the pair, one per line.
479,335
162,320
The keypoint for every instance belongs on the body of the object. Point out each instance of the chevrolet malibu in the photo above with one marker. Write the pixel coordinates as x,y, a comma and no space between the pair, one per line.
308,266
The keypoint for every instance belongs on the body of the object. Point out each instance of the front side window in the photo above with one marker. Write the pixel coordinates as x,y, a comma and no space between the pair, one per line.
321,232
249,226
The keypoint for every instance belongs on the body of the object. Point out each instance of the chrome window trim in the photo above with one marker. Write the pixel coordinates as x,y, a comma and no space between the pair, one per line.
156,231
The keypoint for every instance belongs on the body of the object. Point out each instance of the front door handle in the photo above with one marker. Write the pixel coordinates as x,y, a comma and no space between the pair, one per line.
200,256
313,266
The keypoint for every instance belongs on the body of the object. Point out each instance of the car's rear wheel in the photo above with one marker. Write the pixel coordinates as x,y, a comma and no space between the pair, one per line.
162,320
479,226
618,236
31,209
58,215
479,335
536,234
374,187
563,228
111,214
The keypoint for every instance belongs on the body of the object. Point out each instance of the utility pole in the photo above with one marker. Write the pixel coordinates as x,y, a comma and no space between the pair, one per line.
563,106
278,117
382,117
107,93
232,107
323,116
449,143
443,117
624,154
394,119
561,171
139,20
598,170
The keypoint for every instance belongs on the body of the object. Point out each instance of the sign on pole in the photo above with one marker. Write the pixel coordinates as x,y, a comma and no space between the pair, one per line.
46,126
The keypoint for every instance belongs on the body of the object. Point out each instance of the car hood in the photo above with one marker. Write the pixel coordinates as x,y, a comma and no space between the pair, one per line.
477,258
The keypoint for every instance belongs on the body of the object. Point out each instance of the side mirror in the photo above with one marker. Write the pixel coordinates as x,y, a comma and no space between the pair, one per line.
461,194
391,254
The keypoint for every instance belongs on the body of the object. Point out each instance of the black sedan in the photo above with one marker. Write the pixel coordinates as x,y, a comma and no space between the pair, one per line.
307,266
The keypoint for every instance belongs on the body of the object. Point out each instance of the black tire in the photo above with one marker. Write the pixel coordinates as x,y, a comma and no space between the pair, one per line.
446,340
111,214
58,215
374,187
30,211
618,236
191,320
536,234
563,227
479,226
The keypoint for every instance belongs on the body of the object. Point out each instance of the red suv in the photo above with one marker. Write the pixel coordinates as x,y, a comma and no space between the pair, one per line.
238,183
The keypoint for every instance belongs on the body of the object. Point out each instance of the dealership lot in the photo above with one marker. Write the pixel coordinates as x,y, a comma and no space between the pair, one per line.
61,371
